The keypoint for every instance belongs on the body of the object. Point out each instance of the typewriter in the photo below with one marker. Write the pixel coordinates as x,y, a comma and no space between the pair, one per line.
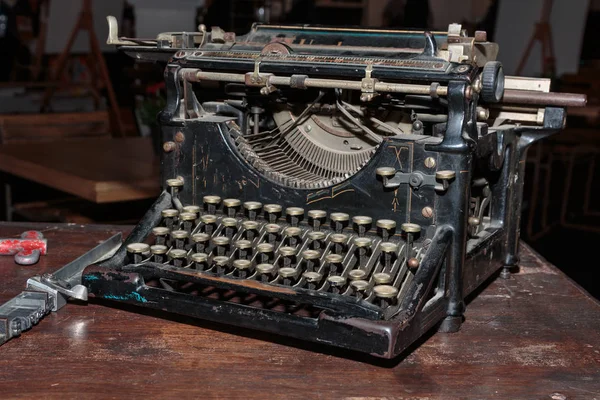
344,186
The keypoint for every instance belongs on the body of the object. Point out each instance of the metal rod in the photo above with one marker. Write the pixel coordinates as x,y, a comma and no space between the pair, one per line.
544,99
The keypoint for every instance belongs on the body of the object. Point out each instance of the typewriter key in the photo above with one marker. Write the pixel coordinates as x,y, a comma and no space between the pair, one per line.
357,274
177,257
137,252
160,235
339,240
192,209
382,278
317,218
201,241
336,283
265,251
231,207
187,221
242,267
359,288
272,233
199,261
386,172
316,238
174,186
221,245
266,271
362,224
273,212
250,229
293,235
288,275
386,228
335,261
410,230
388,249
386,295
288,255
211,203
312,279
339,221
169,217
158,253
244,249
252,209
209,222
362,249
230,226
180,237
294,215
312,259
220,264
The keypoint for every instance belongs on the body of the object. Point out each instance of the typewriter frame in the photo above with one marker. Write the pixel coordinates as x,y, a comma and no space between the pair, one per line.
454,263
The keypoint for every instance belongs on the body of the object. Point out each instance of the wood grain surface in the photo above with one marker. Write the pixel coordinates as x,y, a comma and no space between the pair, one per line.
98,170
535,336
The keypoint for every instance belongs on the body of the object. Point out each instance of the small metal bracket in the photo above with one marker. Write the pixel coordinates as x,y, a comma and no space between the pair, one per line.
258,79
393,179
368,85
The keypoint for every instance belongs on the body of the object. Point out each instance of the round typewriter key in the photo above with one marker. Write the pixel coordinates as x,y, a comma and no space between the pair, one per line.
357,274
386,228
244,248
339,221
250,229
178,257
169,216
335,261
160,234
359,287
293,234
211,203
176,182
201,241
362,242
266,271
288,254
272,232
252,209
317,218
445,175
339,238
381,278
273,212
231,206
295,215
362,224
222,244
316,238
199,260
312,259
312,279
386,172
242,267
192,209
388,249
265,251
288,275
336,283
386,293
221,264
137,252
209,222
230,225
158,253
180,236
410,230
187,220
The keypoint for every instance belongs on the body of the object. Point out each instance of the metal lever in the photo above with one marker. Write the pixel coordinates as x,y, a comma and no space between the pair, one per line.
393,179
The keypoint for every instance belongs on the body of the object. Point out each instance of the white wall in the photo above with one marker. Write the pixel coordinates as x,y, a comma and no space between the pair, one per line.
155,16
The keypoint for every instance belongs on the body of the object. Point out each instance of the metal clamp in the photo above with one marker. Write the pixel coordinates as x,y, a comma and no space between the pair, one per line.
393,179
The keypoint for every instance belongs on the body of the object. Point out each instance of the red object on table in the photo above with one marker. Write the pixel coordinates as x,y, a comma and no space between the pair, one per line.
27,250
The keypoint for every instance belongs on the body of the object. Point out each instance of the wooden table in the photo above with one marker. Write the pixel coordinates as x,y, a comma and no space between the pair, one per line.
531,337
98,170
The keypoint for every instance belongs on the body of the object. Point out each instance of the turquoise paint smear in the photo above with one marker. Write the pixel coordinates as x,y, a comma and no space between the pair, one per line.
131,296
91,278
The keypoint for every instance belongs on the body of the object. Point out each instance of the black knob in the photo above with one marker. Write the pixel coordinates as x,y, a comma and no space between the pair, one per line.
492,82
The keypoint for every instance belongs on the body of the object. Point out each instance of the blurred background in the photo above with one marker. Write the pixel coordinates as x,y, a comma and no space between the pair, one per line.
78,120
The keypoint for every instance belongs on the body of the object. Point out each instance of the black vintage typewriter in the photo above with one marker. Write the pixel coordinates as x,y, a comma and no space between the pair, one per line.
343,186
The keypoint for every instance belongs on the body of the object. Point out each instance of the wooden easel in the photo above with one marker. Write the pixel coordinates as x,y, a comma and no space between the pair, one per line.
543,34
85,22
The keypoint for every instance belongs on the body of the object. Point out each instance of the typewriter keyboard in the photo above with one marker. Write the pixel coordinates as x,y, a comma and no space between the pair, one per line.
355,259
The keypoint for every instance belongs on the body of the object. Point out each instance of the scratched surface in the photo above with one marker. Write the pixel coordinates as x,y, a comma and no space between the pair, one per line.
536,336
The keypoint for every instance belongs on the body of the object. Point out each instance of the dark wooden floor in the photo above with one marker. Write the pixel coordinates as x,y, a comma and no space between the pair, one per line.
536,336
